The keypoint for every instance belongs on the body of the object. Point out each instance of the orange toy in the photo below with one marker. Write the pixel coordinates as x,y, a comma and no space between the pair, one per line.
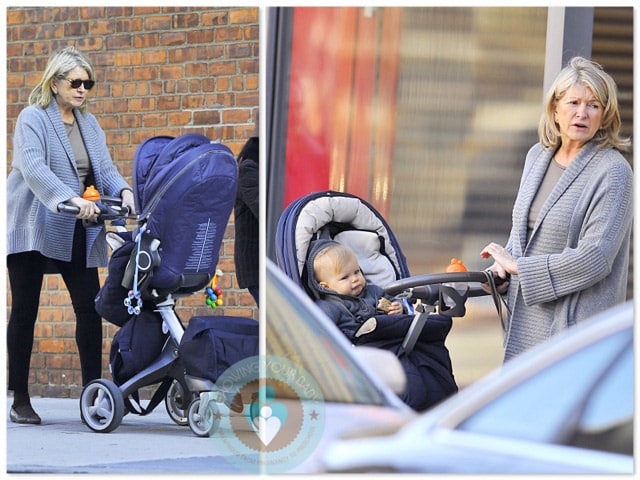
91,193
456,266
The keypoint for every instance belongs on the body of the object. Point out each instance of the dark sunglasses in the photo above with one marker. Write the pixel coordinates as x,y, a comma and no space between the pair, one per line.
88,84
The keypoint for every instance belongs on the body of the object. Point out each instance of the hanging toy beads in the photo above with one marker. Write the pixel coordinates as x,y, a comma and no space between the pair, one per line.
133,303
213,293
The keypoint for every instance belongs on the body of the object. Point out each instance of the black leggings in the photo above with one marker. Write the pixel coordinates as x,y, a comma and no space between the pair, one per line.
26,272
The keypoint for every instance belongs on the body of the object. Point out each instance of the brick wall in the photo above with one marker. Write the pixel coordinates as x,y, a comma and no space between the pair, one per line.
159,71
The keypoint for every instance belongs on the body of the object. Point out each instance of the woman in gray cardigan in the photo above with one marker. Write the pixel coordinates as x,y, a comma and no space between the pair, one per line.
58,150
568,250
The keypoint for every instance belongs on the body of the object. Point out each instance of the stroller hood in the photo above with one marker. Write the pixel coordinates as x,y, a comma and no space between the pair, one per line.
155,158
185,189
344,218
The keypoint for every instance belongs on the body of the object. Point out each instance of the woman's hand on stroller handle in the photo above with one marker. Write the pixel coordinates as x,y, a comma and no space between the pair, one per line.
495,282
107,208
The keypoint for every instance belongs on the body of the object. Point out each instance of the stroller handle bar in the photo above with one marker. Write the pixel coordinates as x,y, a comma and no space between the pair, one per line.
404,284
427,287
436,289
110,209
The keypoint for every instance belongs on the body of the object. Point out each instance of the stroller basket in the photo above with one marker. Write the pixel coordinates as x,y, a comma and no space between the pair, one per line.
210,345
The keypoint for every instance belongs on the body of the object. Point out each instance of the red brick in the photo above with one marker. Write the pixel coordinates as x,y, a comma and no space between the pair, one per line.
75,29
154,120
228,34
58,362
145,73
126,59
119,41
169,103
206,118
146,40
15,17
187,20
179,118
247,15
240,50
236,116
101,27
157,22
200,37
126,25
51,345
153,57
140,56
215,18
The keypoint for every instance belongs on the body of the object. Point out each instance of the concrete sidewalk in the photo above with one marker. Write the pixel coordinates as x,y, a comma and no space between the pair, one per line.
148,444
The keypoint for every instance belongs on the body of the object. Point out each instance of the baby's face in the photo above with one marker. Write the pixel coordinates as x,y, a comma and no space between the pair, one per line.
347,280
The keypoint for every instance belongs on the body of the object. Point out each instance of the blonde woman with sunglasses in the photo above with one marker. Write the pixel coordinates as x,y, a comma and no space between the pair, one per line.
58,150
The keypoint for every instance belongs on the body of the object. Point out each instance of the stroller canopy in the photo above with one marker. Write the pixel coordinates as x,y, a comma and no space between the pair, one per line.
185,189
346,219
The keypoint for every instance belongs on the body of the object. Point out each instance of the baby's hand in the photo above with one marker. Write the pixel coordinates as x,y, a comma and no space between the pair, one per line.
389,307
395,308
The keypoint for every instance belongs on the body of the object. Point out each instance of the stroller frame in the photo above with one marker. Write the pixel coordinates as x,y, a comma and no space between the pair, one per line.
189,400
199,166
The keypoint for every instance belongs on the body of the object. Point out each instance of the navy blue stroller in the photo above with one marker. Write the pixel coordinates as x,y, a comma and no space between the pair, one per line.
419,342
184,190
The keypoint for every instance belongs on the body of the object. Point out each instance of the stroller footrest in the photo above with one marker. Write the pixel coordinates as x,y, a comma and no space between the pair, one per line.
198,384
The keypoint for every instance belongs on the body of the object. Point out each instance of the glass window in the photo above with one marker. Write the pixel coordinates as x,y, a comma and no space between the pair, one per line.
542,407
426,112
295,332
607,422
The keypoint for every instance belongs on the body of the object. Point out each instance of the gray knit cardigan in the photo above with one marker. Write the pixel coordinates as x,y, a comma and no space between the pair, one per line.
577,260
44,174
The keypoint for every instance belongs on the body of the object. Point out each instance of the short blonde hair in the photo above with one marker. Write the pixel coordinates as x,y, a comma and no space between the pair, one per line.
592,76
334,255
58,66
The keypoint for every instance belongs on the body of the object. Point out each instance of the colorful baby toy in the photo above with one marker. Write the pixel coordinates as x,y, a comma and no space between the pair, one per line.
213,293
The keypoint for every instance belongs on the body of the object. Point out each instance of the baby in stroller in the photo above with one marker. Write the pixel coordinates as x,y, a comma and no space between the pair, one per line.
417,336
342,291
367,317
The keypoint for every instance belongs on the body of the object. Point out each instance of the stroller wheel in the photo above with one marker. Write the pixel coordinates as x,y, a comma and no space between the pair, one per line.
203,423
102,405
176,402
